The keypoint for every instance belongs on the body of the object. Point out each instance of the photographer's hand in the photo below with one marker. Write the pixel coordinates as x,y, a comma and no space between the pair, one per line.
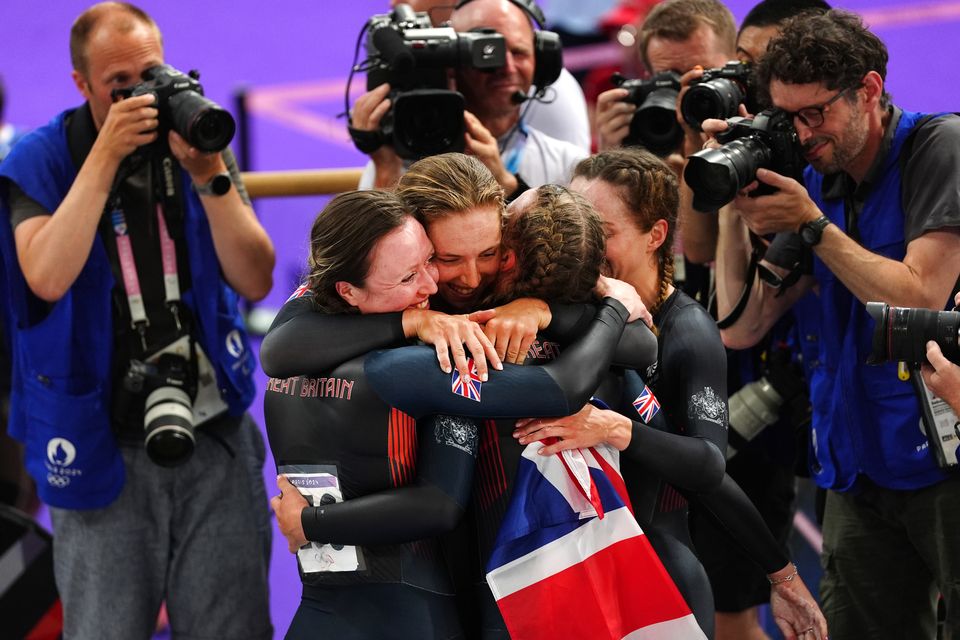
129,124
366,114
784,210
942,376
244,249
481,143
613,118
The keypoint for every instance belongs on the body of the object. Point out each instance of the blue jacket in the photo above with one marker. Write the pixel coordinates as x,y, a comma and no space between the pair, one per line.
61,388
865,419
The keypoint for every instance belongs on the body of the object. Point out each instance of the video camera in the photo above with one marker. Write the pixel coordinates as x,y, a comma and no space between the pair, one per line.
718,93
654,125
766,141
203,123
403,49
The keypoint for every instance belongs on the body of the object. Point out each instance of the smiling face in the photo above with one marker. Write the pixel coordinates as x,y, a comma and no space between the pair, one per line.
467,246
401,274
840,141
118,51
488,93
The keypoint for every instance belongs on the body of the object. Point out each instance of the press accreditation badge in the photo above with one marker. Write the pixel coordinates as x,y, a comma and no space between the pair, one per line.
940,424
320,486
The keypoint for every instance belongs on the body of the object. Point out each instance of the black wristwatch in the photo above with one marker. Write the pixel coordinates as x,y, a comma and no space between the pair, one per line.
218,185
812,232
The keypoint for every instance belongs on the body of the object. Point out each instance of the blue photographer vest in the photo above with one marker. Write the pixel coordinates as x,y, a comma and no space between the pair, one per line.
865,419
61,385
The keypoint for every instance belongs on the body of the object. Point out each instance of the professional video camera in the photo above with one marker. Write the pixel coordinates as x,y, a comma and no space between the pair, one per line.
425,117
170,386
767,141
902,333
182,106
718,93
654,125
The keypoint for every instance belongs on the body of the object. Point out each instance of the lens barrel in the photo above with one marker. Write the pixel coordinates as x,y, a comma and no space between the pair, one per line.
168,426
201,121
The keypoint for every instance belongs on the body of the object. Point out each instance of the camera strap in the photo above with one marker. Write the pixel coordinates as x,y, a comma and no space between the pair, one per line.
131,280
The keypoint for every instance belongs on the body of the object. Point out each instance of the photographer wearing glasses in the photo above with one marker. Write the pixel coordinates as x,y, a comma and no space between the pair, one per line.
880,209
127,237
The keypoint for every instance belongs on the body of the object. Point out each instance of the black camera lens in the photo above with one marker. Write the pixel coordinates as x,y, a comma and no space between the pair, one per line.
168,426
201,122
654,125
902,333
719,98
715,175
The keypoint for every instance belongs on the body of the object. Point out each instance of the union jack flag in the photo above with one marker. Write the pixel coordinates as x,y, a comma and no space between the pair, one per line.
299,292
646,405
469,386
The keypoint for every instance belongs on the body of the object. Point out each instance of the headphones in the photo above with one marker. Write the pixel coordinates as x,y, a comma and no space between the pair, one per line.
547,50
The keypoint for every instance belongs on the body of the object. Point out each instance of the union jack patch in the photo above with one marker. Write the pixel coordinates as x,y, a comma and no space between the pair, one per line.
299,292
646,405
467,386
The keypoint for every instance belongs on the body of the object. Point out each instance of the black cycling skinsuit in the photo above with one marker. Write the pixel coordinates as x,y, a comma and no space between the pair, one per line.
334,419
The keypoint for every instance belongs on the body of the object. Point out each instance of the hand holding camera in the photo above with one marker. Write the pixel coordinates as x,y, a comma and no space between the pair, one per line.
129,125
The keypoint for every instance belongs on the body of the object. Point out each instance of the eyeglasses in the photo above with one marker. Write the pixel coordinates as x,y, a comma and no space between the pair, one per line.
813,116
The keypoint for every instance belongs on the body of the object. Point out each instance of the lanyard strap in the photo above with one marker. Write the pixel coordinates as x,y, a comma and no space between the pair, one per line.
131,279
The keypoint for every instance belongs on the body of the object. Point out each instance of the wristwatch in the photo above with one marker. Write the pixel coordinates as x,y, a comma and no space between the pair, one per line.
218,185
811,232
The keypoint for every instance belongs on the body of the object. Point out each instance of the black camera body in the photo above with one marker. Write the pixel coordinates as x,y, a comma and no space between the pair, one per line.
654,125
718,93
766,141
169,386
902,333
425,116
203,123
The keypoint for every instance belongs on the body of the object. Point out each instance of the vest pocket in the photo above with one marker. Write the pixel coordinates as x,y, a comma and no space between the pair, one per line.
70,450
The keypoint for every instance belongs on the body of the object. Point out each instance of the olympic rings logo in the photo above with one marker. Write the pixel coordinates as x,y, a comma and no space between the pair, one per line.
57,481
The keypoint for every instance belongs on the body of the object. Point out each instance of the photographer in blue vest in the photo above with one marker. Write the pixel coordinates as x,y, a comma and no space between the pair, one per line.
882,223
127,239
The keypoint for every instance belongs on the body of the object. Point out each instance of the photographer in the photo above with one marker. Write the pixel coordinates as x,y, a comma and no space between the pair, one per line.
517,154
882,224
125,248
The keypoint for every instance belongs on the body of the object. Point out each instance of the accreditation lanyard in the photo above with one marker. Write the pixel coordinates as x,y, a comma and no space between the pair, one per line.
131,280
512,154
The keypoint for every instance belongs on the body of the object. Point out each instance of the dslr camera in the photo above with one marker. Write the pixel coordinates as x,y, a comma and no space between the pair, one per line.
203,123
654,125
901,333
169,385
766,141
425,117
718,94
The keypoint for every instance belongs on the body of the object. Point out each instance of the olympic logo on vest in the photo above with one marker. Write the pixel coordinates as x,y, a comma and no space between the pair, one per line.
61,452
57,481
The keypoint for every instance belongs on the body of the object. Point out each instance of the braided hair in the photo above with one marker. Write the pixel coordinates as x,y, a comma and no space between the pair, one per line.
649,189
559,244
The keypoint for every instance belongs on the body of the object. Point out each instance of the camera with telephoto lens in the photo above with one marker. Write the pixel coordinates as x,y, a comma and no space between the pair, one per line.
758,404
902,333
403,49
203,123
654,125
169,386
718,93
766,141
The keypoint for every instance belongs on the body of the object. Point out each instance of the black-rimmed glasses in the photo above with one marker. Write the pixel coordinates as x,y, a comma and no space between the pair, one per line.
813,116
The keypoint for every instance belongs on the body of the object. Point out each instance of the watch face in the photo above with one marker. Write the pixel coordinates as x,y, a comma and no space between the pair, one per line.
808,235
220,184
